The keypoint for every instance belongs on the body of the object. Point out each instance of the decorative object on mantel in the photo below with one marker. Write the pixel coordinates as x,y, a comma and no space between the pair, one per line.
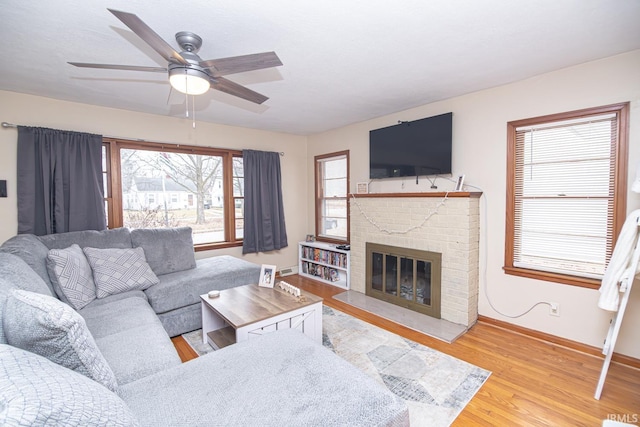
362,188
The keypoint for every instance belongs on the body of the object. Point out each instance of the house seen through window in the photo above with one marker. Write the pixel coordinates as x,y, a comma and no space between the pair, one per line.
175,186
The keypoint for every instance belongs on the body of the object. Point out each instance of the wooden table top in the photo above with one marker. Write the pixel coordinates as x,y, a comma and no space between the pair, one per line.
248,304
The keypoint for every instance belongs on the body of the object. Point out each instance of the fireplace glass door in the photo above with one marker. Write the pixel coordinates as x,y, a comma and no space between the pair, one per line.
406,277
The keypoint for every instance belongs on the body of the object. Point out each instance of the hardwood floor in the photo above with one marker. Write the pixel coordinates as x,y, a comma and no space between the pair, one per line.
533,382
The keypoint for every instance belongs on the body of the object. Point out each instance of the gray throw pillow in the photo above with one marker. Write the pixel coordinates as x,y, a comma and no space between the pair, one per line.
37,392
71,276
32,251
119,270
167,249
46,326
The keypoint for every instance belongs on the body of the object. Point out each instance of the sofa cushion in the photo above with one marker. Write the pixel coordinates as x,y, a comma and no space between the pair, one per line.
184,288
277,379
119,270
167,249
33,252
46,326
182,320
36,391
111,298
115,238
71,276
16,274
130,337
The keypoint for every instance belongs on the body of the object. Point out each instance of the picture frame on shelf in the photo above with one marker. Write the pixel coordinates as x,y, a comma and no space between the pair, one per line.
267,276
459,183
362,188
310,238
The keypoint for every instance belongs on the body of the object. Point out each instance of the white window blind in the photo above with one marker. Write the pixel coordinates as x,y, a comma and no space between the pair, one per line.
564,195
333,213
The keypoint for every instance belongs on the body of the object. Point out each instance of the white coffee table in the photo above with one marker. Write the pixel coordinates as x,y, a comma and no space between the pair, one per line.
245,312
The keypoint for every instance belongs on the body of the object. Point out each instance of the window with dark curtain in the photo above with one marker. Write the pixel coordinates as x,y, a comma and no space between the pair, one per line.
59,181
264,225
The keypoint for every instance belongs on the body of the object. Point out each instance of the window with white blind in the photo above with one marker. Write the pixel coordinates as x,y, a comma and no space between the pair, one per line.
332,205
566,197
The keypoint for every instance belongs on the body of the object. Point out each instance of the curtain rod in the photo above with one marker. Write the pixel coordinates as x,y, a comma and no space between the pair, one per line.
7,125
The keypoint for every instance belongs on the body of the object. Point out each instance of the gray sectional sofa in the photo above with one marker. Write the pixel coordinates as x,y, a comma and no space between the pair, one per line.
110,360
169,253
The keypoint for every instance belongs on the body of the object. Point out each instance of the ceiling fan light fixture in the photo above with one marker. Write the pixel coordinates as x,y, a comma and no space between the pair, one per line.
189,80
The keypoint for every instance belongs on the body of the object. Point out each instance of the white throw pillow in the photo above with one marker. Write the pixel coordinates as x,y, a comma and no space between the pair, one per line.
119,270
71,276
46,326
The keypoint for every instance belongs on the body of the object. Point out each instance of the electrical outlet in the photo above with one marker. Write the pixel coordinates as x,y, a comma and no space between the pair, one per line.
554,309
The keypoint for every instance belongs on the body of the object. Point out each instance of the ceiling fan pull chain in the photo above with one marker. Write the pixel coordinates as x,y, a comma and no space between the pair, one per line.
186,99
170,92
193,107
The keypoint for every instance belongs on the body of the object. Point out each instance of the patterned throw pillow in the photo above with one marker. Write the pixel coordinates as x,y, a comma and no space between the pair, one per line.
71,276
119,270
46,326
37,392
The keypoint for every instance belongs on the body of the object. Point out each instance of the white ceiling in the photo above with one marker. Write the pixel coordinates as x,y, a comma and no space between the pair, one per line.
344,61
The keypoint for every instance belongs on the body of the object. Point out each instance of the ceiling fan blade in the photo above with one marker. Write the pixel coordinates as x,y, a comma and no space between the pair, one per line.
239,64
119,67
136,25
227,86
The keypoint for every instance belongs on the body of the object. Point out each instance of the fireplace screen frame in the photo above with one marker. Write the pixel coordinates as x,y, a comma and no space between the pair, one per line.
434,258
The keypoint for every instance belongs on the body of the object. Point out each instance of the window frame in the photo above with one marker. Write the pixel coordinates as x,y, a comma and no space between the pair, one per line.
317,162
619,184
114,182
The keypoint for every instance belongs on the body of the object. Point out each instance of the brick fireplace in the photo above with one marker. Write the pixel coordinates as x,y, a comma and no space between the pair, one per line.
452,233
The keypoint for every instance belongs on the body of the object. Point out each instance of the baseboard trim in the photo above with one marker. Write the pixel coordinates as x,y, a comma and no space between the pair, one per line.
573,345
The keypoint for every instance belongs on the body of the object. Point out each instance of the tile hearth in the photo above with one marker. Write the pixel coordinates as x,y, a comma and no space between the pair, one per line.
437,328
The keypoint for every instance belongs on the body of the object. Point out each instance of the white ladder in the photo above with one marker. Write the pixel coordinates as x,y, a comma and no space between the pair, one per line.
616,321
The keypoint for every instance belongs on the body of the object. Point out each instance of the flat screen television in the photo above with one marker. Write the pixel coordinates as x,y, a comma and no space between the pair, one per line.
420,147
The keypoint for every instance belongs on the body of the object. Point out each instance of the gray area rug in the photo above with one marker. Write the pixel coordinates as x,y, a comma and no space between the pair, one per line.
435,386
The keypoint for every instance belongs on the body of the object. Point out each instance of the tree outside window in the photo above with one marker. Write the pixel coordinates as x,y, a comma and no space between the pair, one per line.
172,186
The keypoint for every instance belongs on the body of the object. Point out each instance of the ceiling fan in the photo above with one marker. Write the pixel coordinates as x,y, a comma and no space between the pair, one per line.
188,73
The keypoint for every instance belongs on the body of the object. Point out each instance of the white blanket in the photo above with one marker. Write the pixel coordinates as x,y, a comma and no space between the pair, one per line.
619,269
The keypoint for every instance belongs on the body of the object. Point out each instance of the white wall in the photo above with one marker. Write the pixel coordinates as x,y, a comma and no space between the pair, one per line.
45,112
479,151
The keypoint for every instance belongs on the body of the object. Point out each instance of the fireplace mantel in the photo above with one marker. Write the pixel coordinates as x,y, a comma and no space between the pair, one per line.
439,194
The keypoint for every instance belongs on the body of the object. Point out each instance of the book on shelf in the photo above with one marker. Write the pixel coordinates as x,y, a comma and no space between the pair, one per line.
326,273
325,256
